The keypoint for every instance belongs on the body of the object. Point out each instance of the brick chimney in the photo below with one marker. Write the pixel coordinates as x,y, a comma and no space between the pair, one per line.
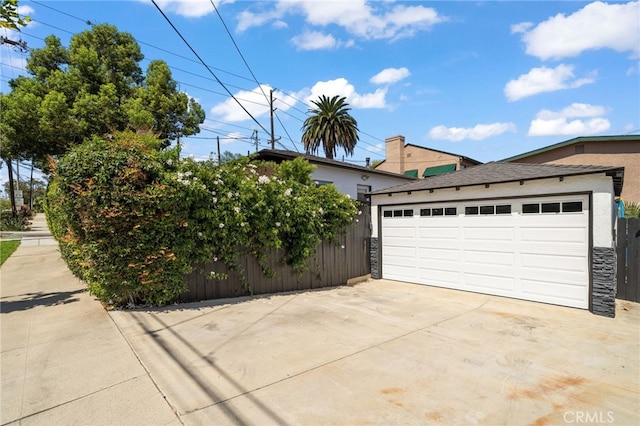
394,147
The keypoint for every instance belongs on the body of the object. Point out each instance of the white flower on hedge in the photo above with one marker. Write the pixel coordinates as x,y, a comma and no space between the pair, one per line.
215,200
236,209
200,234
359,212
221,225
170,162
263,179
278,224
287,214
188,173
288,192
229,195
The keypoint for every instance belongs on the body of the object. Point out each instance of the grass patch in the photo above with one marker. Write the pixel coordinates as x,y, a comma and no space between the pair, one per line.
7,248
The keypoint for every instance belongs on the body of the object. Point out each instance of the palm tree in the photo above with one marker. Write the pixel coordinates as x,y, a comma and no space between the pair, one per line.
332,125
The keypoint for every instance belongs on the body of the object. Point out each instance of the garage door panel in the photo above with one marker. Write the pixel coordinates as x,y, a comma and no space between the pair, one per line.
400,273
533,256
489,283
439,277
427,254
553,234
396,253
494,258
553,249
398,232
491,233
440,233
551,276
555,263
556,293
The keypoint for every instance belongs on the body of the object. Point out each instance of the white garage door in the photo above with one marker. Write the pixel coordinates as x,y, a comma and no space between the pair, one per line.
534,249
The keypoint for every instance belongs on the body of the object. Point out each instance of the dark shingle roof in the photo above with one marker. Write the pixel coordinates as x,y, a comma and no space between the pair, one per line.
493,172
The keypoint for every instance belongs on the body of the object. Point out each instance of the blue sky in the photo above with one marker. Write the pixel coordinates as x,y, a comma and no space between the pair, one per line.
483,79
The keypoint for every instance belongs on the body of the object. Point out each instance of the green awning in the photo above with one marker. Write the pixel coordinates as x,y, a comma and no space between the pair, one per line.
411,173
438,170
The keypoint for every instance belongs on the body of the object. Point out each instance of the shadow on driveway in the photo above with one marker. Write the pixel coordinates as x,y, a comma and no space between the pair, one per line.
27,301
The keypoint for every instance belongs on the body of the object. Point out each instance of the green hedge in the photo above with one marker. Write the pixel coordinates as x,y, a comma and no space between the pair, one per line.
132,220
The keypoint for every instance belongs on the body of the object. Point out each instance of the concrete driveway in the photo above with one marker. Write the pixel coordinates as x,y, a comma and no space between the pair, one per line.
384,352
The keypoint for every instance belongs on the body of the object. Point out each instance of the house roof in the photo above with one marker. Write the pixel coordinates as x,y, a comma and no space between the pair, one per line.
578,140
471,160
282,155
500,172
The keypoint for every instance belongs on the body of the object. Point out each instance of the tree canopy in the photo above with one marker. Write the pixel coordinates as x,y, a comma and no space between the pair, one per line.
9,16
94,87
331,126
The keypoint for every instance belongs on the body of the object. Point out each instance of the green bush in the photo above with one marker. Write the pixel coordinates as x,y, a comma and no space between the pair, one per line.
132,221
20,222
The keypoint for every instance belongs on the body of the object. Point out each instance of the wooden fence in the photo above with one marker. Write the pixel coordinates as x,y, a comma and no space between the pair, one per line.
334,265
628,258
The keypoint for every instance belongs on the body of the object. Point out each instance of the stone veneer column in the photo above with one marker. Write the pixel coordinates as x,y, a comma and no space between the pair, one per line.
374,258
603,271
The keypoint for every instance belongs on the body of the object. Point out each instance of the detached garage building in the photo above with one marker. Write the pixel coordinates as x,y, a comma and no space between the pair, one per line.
537,232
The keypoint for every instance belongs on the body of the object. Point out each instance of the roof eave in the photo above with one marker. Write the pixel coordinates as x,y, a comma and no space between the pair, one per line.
613,172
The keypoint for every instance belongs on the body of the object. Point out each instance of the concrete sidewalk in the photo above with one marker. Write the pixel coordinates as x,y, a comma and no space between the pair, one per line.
63,359
38,235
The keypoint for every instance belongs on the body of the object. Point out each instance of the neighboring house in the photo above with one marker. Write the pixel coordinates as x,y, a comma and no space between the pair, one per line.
418,162
355,181
539,232
618,151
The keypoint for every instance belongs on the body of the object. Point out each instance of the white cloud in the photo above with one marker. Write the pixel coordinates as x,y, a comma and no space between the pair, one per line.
543,79
598,25
25,10
314,40
363,19
390,75
341,87
574,110
521,27
189,8
476,133
254,101
576,119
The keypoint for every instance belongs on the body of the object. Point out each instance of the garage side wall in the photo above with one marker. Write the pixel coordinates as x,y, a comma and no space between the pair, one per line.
600,188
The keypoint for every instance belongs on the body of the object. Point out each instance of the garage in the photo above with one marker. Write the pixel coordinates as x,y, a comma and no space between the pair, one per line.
531,232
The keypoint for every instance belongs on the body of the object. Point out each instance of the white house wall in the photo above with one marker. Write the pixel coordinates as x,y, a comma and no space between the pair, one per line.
347,180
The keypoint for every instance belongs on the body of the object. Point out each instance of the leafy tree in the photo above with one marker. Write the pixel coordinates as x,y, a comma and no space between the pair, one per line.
11,19
9,16
94,87
330,125
229,156
33,198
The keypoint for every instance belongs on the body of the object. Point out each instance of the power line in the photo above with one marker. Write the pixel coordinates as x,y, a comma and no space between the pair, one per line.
205,65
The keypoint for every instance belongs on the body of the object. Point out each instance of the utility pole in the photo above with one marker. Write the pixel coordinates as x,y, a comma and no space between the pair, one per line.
219,157
22,45
271,110
255,138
